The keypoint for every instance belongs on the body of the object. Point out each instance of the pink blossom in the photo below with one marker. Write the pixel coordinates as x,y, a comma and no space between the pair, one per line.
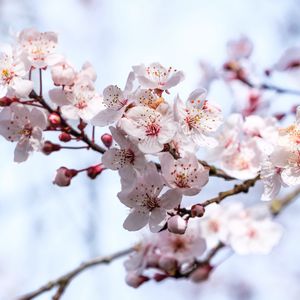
146,202
12,74
24,126
155,76
198,118
39,47
150,128
185,174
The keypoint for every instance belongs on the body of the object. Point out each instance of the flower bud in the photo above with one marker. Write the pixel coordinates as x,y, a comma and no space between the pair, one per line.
54,119
64,176
197,210
65,137
63,74
107,140
177,224
49,147
158,277
135,280
168,264
94,171
5,101
152,260
201,273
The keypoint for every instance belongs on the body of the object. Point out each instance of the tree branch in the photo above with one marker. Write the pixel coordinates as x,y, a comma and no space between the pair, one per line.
63,281
238,188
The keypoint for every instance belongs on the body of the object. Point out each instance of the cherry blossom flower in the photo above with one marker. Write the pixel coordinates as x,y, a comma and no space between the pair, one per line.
239,48
12,73
82,101
246,230
185,174
254,237
155,76
127,155
24,126
39,47
149,127
115,102
146,203
184,247
198,118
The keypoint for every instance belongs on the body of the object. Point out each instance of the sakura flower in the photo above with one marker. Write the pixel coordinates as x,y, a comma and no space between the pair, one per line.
185,174
155,76
115,102
198,118
214,226
128,155
12,73
82,101
244,163
254,237
184,247
146,203
24,126
39,47
239,48
149,127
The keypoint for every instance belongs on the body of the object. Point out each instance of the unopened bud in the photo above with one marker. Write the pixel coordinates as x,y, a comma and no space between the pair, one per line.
177,224
158,277
65,137
49,147
168,264
107,140
94,171
135,280
5,101
197,210
64,176
201,273
54,119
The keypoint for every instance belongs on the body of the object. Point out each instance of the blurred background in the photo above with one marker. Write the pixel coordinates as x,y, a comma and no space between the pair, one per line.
46,230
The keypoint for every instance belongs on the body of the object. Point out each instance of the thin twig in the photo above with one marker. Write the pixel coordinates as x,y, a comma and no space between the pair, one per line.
237,189
63,281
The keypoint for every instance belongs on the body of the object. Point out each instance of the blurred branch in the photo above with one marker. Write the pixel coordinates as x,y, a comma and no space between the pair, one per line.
270,87
277,205
63,281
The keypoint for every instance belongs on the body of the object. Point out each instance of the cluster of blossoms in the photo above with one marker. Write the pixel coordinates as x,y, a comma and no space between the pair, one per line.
153,144
164,255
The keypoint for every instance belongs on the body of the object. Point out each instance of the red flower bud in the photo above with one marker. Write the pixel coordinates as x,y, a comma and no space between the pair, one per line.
64,176
49,147
65,137
158,277
201,273
135,280
5,101
197,210
54,119
107,140
94,171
